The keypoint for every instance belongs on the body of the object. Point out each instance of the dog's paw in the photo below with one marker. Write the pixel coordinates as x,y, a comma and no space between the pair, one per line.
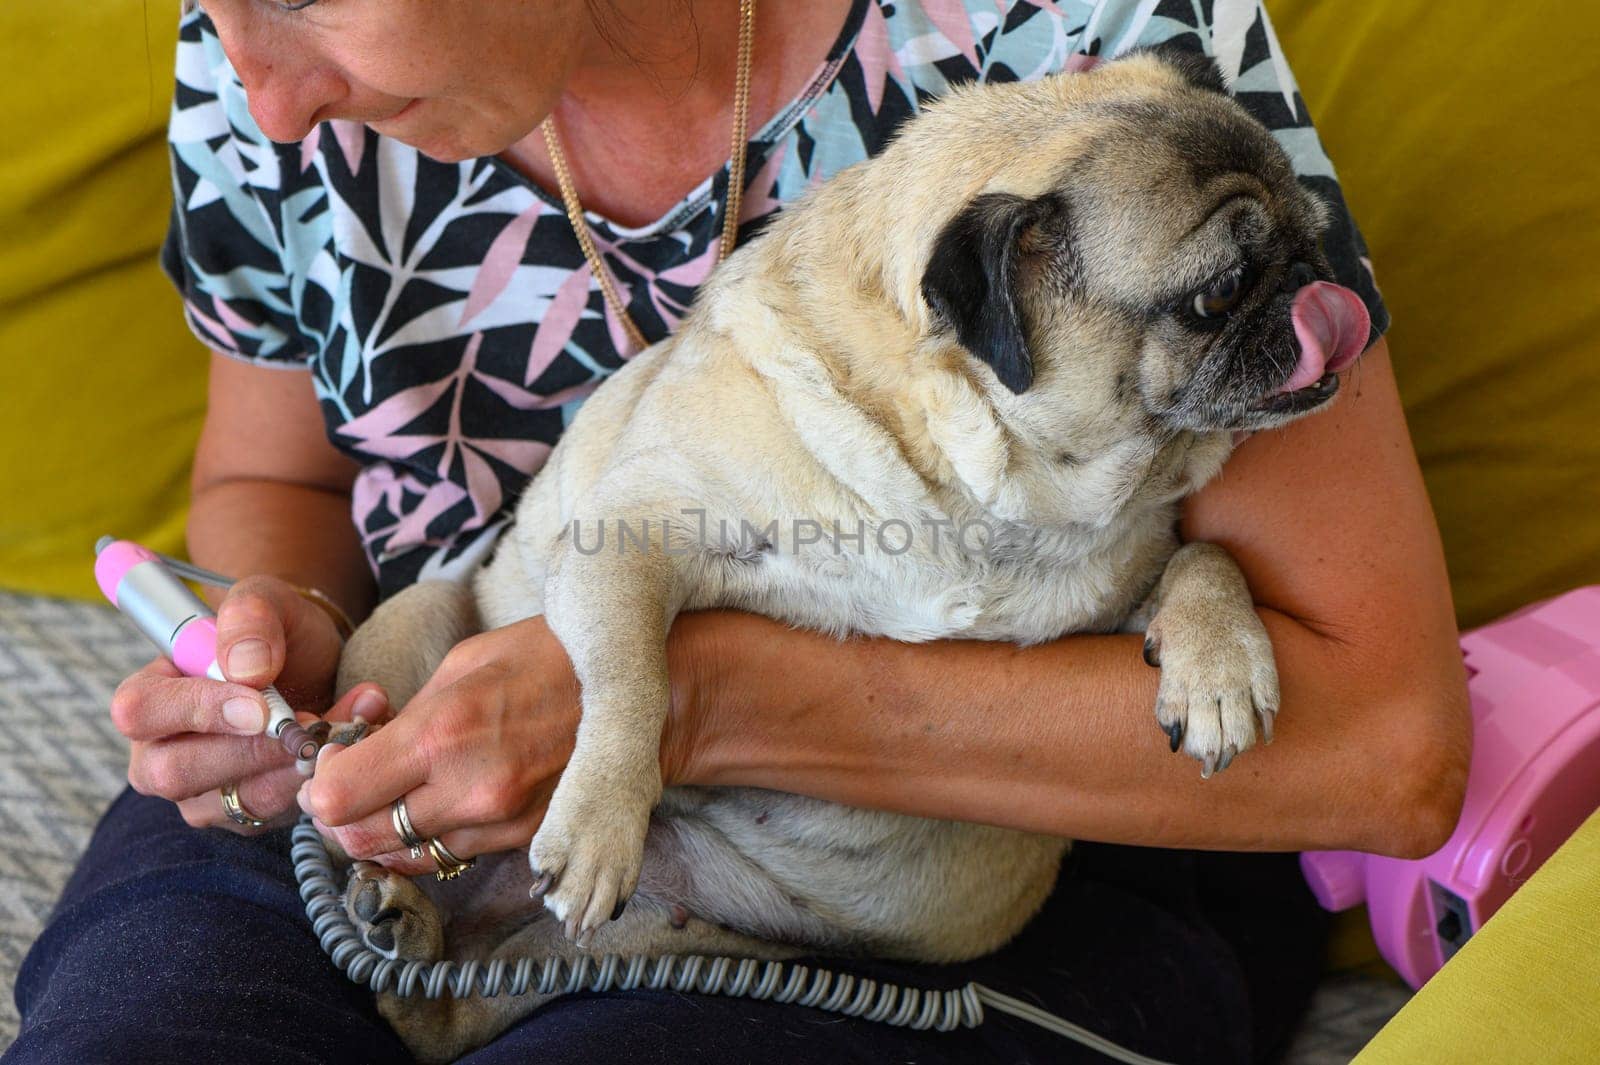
586,859
392,914
344,733
1218,678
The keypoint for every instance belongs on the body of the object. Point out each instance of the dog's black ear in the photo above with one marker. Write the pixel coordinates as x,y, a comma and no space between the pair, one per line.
971,282
1197,68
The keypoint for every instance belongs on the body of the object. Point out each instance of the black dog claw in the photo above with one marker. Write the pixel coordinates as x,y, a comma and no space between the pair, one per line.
1150,658
616,912
1175,735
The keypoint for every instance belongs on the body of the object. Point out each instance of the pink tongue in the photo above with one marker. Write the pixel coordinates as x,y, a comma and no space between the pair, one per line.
1331,324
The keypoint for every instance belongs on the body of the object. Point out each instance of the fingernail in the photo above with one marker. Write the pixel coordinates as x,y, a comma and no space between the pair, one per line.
369,706
302,797
244,714
249,658
325,753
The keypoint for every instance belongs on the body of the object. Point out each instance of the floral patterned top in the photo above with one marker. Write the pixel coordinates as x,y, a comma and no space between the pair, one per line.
446,311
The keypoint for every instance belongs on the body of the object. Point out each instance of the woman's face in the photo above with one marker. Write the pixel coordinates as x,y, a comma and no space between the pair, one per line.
453,78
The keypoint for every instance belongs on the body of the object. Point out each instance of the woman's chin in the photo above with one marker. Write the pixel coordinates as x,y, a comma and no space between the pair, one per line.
449,147
450,153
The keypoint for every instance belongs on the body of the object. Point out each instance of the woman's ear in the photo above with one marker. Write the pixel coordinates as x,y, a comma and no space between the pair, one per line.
971,283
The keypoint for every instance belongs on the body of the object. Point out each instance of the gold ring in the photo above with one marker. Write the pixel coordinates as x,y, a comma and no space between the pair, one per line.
401,819
235,809
449,865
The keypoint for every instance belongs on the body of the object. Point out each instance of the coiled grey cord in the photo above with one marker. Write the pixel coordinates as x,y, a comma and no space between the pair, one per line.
906,1007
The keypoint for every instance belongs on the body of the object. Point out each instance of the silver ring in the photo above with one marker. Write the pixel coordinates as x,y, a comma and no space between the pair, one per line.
403,827
235,809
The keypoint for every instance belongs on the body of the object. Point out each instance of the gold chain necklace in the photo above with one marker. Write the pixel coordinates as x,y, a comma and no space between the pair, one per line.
730,221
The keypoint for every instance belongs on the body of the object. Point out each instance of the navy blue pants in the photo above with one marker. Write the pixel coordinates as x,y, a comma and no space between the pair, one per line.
176,945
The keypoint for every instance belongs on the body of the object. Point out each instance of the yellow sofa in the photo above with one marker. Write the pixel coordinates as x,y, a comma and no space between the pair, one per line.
103,385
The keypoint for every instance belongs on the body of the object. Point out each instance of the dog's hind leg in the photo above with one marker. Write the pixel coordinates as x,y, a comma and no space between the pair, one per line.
393,915
406,638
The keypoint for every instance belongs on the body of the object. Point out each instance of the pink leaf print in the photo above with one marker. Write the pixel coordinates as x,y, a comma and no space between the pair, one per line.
524,455
694,271
376,429
952,20
482,486
500,262
758,199
230,317
619,338
308,148
559,320
381,485
211,325
876,55
413,528
521,399
352,138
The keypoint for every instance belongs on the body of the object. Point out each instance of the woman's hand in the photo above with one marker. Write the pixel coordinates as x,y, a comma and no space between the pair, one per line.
476,754
193,736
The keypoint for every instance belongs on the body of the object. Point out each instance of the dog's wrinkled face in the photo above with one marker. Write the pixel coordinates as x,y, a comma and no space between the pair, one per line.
1178,245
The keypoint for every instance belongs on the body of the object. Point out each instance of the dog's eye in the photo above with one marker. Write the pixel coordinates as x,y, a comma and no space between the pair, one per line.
1221,297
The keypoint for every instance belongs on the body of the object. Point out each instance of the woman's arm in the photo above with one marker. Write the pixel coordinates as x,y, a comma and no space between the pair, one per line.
270,493
271,500
1331,524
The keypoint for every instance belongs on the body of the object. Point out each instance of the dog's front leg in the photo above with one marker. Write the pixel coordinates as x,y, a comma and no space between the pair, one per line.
611,608
1217,671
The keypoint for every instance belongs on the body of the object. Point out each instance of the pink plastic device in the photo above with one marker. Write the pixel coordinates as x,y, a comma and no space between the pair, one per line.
139,584
1534,678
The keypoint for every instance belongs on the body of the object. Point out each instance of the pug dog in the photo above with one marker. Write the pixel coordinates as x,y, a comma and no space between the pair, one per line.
1035,321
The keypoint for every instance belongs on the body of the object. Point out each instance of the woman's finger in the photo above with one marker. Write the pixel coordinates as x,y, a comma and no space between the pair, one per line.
465,843
268,634
158,701
365,702
252,640
181,767
434,807
352,783
268,797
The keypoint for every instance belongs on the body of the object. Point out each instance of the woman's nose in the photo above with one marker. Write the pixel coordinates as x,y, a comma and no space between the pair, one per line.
288,91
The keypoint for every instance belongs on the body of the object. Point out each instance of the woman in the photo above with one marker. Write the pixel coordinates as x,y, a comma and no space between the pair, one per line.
404,318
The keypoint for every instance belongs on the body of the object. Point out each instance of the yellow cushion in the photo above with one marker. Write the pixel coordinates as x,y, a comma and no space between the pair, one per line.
1525,988
1465,137
104,386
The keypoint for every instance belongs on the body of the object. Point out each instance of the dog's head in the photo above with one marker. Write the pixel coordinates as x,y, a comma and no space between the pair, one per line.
1155,237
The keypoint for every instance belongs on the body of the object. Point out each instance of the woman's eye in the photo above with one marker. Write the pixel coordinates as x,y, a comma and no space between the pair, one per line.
1221,297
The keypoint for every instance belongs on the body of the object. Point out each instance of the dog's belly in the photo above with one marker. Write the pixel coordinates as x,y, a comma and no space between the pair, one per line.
818,874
